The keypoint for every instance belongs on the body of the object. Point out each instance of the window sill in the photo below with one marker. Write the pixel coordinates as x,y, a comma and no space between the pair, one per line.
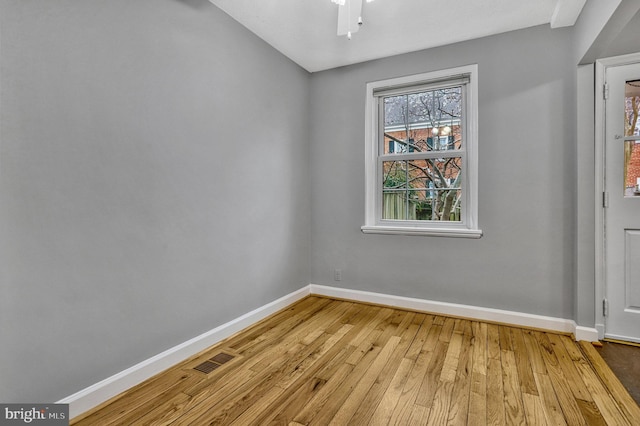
427,232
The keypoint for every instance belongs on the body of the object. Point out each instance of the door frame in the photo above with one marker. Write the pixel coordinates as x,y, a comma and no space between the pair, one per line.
601,67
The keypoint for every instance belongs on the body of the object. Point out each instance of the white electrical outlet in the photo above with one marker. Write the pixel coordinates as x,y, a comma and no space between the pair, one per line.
337,275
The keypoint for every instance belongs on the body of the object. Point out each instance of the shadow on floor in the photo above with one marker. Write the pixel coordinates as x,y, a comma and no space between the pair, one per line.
624,361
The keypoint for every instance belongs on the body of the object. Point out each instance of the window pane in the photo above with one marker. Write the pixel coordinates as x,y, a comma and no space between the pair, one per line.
632,106
424,121
442,205
438,173
394,174
422,189
632,147
395,205
632,167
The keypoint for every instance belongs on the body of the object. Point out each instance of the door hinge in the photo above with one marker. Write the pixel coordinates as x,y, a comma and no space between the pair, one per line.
605,199
605,307
605,91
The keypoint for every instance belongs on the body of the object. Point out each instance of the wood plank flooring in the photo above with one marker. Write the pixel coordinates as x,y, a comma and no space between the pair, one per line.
330,362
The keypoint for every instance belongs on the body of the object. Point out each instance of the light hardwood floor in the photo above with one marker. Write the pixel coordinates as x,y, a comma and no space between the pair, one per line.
324,361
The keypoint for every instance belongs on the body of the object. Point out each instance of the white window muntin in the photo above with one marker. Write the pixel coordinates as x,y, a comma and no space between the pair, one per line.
423,125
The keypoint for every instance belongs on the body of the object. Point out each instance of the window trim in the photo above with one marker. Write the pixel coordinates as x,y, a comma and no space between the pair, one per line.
468,228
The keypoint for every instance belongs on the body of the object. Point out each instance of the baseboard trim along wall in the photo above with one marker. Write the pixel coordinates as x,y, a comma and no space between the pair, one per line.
98,393
466,311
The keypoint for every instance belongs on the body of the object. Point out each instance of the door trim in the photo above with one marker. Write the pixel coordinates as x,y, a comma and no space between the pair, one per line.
599,128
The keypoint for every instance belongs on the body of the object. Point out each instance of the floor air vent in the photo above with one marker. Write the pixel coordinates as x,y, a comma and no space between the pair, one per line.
213,363
206,367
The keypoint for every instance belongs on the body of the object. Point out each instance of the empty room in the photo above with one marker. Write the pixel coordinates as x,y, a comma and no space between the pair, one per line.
313,212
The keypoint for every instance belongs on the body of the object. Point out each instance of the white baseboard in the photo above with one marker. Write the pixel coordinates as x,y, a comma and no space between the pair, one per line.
589,334
467,311
600,329
100,392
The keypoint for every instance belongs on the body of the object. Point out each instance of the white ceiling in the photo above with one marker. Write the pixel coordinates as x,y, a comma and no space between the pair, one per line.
305,30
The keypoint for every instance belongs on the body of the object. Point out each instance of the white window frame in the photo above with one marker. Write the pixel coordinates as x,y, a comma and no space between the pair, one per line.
468,225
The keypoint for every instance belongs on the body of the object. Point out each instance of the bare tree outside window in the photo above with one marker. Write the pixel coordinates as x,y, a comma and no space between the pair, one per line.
415,187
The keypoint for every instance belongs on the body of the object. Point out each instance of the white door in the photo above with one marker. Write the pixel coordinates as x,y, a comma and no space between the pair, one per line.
622,190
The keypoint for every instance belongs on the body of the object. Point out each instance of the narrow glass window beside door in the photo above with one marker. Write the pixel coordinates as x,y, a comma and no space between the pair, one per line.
422,155
632,138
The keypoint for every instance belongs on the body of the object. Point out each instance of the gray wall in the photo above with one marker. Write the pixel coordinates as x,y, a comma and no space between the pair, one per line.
525,260
153,184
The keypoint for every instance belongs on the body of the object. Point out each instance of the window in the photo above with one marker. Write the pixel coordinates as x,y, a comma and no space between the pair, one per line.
421,155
